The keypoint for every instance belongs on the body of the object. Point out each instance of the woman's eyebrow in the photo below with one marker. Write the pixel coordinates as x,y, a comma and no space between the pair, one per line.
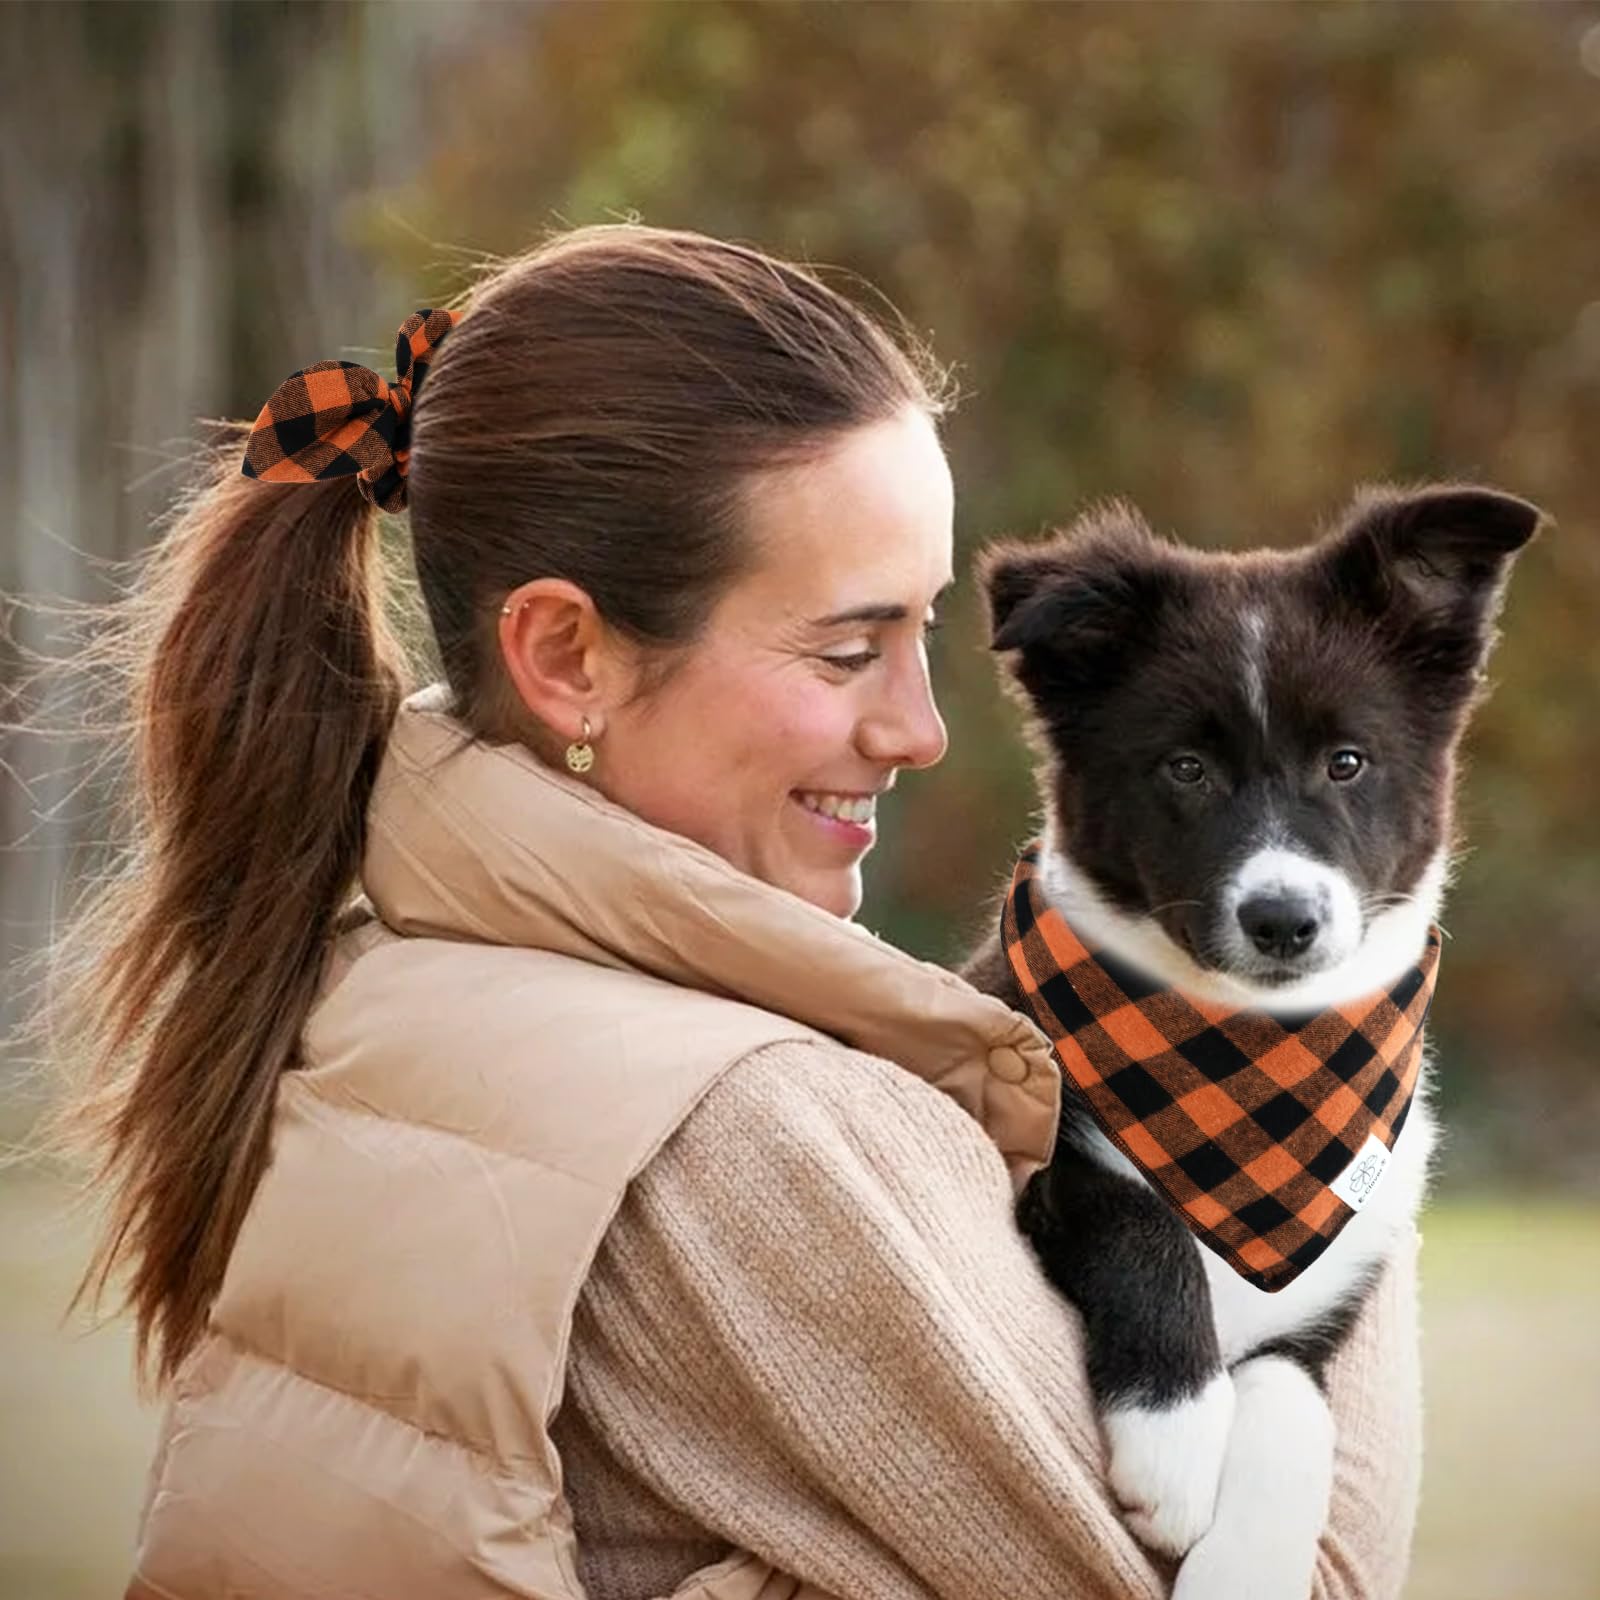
882,611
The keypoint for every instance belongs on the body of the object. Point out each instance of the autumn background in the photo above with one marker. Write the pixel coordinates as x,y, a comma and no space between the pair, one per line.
1227,260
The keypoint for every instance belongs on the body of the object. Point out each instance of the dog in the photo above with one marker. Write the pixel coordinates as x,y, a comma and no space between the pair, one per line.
1247,779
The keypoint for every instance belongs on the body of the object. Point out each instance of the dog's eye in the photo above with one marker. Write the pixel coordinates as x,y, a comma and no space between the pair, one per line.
1343,765
1186,769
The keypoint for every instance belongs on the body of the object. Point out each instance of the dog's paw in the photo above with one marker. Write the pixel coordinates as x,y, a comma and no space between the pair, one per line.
1222,1566
1165,1465
1274,1496
1247,1559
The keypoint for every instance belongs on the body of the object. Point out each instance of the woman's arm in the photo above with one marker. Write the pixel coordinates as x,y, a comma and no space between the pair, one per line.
813,1332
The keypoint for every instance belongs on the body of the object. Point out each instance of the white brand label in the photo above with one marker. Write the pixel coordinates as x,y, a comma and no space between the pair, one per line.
1355,1184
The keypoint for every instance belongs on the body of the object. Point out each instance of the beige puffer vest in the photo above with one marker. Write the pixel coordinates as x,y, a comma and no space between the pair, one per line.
536,991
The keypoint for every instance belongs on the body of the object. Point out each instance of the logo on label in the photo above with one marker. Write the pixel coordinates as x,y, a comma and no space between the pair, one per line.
1355,1184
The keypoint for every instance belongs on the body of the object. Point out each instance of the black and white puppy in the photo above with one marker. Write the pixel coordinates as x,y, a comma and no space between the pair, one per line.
1222,732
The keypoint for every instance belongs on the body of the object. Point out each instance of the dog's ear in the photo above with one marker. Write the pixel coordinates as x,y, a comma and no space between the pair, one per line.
1078,592
1431,567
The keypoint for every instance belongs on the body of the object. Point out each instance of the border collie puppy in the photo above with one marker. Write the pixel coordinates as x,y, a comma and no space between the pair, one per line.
1227,929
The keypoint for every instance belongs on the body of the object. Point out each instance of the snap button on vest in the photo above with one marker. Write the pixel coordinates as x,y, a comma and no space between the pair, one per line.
1007,1064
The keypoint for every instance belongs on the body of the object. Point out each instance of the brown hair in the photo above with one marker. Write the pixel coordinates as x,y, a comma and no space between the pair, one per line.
593,417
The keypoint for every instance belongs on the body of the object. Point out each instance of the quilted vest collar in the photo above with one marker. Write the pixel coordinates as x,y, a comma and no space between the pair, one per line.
470,841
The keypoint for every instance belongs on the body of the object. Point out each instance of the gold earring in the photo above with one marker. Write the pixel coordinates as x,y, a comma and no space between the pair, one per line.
580,753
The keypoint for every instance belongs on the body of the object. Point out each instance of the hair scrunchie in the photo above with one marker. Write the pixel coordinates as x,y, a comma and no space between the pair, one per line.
335,418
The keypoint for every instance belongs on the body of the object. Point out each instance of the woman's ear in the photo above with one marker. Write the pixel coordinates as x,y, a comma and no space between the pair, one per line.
559,655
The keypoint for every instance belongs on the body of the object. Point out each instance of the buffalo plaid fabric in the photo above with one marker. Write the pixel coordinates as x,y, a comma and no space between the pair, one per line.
1246,1122
335,418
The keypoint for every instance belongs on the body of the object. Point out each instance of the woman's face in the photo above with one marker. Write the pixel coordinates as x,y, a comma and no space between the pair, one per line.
808,690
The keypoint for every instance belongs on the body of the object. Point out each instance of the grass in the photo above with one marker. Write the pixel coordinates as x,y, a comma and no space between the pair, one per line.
1511,1299
77,1443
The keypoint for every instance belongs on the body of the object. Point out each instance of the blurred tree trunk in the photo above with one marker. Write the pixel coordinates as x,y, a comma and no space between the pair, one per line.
175,189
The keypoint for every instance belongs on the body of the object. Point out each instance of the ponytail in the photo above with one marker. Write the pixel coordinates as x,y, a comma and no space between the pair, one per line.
261,681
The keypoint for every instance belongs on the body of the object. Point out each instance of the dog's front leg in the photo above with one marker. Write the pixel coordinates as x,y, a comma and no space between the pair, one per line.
1165,1401
1276,1483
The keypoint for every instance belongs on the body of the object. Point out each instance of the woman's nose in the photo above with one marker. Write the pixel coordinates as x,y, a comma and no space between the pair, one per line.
906,729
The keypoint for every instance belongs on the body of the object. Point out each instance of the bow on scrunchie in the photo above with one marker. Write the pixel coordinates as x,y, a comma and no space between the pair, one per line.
335,418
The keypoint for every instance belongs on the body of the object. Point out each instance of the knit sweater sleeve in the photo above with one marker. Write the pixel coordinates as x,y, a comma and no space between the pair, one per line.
1375,1390
812,1332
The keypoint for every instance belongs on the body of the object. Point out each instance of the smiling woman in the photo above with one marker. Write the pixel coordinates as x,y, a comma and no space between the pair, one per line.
807,689
529,1179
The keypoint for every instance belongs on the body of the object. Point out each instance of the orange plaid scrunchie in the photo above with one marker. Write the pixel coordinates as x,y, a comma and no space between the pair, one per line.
335,418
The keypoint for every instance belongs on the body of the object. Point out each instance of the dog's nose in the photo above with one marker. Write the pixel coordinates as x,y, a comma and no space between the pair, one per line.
1281,925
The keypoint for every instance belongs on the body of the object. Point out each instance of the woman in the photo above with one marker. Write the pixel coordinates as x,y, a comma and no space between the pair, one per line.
630,1223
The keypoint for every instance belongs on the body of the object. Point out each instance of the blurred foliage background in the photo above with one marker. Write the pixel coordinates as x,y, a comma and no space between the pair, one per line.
1227,260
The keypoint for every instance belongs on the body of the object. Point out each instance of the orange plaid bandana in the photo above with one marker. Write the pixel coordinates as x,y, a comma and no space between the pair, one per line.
1267,1136
335,418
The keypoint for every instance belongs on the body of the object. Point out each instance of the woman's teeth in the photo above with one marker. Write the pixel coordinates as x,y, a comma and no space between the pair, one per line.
843,807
